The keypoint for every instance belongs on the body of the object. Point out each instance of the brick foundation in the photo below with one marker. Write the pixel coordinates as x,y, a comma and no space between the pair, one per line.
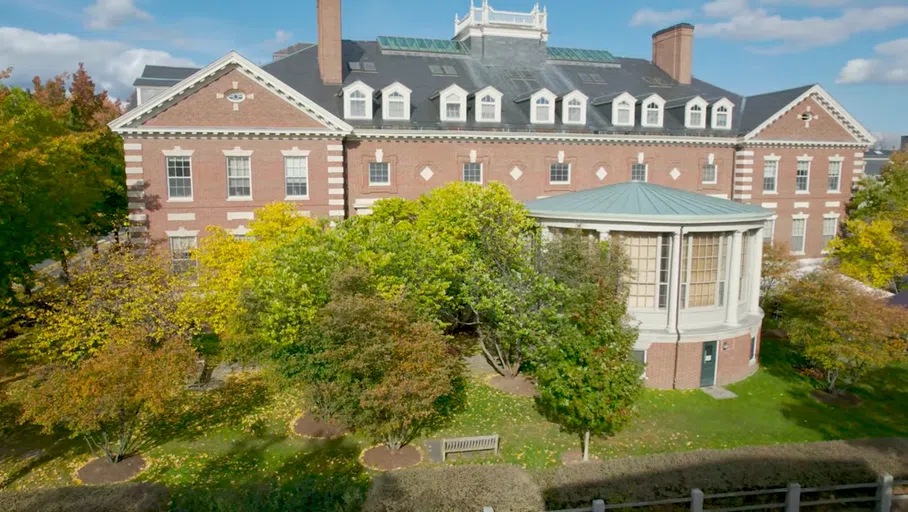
734,363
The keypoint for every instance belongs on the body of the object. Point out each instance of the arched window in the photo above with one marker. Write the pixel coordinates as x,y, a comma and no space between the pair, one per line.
543,110
624,113
575,111
696,116
357,104
652,114
721,117
397,106
488,106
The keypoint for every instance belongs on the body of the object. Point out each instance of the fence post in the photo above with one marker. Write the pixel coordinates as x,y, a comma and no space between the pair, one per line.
884,494
793,498
696,502
598,505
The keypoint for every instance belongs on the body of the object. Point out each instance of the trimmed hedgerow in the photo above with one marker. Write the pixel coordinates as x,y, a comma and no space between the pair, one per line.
135,497
753,468
455,489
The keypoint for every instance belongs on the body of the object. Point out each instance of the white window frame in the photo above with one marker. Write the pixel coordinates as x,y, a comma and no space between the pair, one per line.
796,217
566,107
569,169
688,109
715,167
460,97
368,92
481,173
188,158
632,106
724,102
754,349
238,153
772,231
386,93
645,173
835,232
551,98
493,93
833,160
189,263
645,106
304,157
376,183
778,165
809,161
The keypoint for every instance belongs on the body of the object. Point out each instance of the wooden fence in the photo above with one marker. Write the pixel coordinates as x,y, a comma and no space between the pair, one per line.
790,498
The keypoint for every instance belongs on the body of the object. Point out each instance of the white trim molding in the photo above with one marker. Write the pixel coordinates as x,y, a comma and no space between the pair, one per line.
729,110
133,158
238,151
456,94
566,106
493,94
833,204
630,102
361,89
549,98
240,215
696,101
368,133
131,146
295,151
402,93
659,102
178,151
134,170
183,232
180,216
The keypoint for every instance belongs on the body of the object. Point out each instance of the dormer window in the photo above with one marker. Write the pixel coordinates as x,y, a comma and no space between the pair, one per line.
542,107
395,102
488,105
573,108
358,101
722,110
653,111
453,104
623,110
695,113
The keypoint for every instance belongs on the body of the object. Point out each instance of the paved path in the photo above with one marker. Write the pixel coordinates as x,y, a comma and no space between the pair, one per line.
719,393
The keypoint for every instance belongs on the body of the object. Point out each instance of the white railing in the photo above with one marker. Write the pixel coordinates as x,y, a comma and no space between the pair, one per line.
485,15
882,499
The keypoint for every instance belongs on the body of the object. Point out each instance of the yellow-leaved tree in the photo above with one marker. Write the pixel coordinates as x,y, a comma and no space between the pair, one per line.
874,252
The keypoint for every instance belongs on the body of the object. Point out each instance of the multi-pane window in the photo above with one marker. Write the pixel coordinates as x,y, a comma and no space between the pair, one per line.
652,114
239,176
624,113
453,108
830,229
643,253
769,229
575,111
798,231
472,173
770,175
397,106
665,255
722,117
379,173
179,177
723,270
560,173
488,108
742,283
802,178
638,172
696,116
835,176
704,259
357,104
181,253
543,110
709,173
296,176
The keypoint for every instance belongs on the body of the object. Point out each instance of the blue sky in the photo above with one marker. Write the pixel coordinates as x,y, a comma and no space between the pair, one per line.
857,49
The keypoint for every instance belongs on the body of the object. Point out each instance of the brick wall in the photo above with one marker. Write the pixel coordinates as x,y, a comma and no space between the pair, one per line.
822,127
733,363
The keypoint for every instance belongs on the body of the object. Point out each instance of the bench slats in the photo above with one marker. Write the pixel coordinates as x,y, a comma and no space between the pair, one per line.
468,444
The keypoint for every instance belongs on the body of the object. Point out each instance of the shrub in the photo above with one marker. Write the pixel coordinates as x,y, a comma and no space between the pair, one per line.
455,489
136,497
753,468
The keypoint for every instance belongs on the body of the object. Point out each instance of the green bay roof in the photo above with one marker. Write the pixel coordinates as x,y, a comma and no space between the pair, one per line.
645,202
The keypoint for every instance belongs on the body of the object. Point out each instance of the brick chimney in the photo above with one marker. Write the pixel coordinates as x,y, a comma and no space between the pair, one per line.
673,51
330,57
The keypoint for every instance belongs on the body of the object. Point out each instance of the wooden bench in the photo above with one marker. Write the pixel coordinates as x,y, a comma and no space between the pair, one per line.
468,444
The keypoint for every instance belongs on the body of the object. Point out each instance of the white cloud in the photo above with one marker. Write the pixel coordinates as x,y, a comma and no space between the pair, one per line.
113,65
809,3
282,36
724,8
659,18
889,65
108,14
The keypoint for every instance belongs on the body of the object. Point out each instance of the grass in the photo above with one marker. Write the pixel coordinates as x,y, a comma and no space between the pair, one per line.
231,449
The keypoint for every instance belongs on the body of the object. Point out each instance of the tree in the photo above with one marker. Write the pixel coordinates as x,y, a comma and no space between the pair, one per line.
377,367
587,379
841,329
884,196
106,397
874,252
778,267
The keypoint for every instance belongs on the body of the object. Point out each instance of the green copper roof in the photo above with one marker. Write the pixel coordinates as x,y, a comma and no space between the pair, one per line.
580,55
645,202
418,44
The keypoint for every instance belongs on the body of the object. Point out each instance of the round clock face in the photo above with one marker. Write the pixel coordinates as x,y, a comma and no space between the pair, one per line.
236,96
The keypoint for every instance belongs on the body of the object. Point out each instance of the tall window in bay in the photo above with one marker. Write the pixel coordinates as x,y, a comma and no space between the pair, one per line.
488,108
543,110
239,177
835,176
650,260
560,173
770,175
181,253
742,284
397,106
830,229
357,104
575,111
472,173
179,177
704,266
798,232
296,176
638,172
802,178
379,173
624,114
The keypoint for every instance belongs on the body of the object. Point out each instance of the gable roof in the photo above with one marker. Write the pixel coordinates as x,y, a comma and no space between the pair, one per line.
645,202
216,68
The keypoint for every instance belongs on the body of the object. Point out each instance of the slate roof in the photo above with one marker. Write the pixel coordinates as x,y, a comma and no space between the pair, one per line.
639,77
645,202
875,160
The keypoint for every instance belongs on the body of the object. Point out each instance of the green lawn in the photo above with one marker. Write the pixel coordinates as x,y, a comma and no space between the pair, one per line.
231,449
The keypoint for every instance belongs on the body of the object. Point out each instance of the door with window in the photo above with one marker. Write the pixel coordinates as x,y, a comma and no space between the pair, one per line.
708,364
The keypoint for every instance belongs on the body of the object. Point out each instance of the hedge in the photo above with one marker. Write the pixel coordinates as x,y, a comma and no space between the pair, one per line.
134,497
455,489
713,471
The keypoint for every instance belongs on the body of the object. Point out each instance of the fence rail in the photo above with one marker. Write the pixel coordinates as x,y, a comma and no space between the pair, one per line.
882,498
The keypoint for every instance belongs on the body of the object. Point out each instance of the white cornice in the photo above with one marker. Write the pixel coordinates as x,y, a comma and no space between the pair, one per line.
230,132
533,136
799,143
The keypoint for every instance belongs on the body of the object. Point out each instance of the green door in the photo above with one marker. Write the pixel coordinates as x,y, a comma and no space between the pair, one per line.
708,365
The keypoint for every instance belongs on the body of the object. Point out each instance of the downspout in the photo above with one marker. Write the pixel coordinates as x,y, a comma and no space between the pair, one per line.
678,308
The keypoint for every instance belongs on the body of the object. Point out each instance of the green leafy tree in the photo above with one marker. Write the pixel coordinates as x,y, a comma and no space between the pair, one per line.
874,252
778,267
106,397
841,329
884,196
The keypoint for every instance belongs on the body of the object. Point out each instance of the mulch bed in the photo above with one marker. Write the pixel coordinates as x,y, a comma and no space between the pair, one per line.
100,472
575,457
383,459
846,399
519,385
307,426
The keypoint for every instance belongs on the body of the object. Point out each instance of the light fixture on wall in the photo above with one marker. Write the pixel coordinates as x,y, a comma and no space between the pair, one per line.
724,345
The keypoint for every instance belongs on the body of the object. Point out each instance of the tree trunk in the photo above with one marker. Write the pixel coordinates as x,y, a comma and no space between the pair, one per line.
831,376
586,446
64,266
